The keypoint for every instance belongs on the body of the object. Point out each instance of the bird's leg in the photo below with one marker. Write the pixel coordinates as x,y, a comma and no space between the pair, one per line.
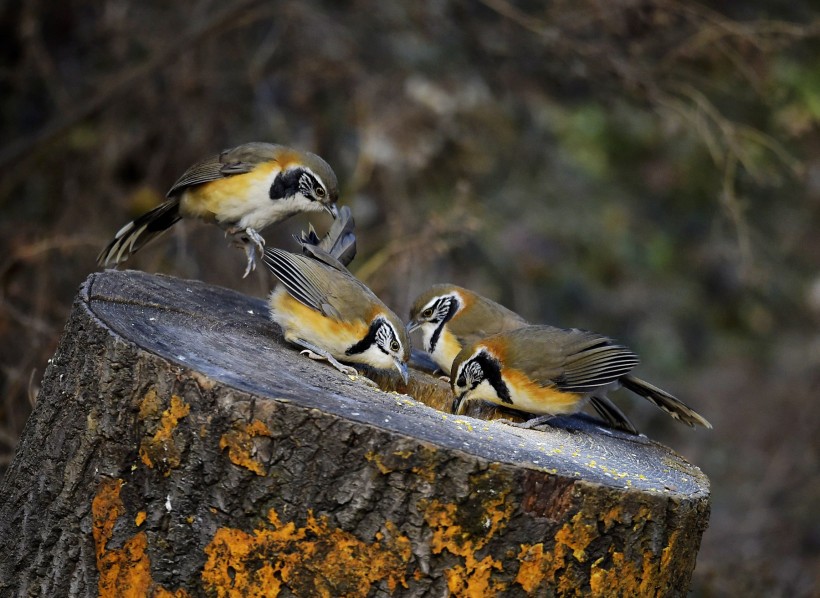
257,239
251,242
313,352
527,425
534,422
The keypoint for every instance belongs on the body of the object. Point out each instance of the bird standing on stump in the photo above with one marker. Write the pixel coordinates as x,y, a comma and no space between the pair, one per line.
452,317
552,371
324,309
243,190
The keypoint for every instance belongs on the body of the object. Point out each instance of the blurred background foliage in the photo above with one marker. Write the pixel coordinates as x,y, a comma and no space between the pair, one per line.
647,169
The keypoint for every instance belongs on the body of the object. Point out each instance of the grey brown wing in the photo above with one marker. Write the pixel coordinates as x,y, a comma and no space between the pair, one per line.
238,160
574,360
329,291
495,319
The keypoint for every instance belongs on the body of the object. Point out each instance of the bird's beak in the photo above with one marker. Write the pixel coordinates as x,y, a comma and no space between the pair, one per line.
332,210
457,402
402,367
412,325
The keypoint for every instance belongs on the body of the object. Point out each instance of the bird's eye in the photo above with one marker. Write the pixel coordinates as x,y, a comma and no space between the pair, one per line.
427,312
461,381
395,346
320,192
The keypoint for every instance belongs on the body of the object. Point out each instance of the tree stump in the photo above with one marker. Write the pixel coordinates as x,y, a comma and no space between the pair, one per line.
180,448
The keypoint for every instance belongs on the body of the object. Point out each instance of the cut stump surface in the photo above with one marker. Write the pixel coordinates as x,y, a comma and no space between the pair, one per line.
179,447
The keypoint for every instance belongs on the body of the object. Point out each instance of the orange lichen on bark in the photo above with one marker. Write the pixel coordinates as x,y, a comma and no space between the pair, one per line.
124,572
551,571
160,449
539,566
314,560
240,445
464,530
106,507
420,461
140,518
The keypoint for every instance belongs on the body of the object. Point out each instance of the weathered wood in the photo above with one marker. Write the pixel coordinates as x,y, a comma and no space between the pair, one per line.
179,447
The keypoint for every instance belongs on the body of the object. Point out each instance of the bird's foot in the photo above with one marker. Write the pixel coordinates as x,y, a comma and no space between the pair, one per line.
345,369
530,424
250,254
250,241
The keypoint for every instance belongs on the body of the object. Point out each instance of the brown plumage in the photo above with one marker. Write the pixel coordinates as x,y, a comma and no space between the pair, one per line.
451,317
324,309
243,190
552,371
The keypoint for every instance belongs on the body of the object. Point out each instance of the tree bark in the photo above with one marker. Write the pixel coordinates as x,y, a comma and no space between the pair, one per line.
180,448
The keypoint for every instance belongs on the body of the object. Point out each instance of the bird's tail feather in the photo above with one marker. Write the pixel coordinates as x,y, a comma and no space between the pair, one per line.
340,240
665,401
613,416
131,237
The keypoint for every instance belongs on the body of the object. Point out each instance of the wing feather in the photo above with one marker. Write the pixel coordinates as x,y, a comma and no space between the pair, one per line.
289,272
237,160
572,360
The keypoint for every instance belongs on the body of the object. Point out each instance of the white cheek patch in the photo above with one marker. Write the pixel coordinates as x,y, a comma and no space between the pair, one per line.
260,210
374,357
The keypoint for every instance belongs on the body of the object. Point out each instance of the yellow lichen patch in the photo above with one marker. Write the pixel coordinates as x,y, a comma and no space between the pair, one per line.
576,535
543,571
376,459
464,530
620,574
314,560
534,566
140,518
124,572
240,445
539,566
150,406
421,462
106,507
160,592
160,450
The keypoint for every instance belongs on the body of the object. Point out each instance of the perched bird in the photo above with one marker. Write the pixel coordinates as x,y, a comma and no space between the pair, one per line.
552,371
451,317
324,309
243,190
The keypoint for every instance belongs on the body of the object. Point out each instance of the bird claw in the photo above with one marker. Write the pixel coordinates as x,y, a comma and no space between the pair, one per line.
257,239
345,369
530,424
250,242
250,253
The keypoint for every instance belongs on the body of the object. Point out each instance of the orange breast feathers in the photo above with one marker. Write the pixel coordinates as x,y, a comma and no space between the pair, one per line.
528,394
299,321
531,397
230,194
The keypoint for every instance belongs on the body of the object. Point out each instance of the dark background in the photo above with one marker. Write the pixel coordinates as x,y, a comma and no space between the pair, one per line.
645,169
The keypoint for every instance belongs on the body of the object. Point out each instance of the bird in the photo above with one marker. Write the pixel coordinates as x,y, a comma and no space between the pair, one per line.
322,308
451,317
549,371
243,190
